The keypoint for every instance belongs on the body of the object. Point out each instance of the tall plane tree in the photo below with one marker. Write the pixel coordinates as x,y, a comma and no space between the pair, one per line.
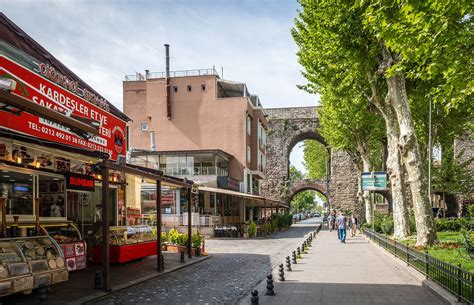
333,41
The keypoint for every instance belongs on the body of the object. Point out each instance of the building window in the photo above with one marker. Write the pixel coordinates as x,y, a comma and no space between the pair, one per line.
212,200
144,126
249,154
203,87
249,125
249,183
175,88
190,88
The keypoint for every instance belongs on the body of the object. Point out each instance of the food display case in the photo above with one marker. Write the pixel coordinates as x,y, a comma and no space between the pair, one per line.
70,240
27,262
127,243
67,235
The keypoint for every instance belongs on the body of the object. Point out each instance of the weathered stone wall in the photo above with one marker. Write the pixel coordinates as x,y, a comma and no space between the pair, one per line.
288,126
464,151
343,184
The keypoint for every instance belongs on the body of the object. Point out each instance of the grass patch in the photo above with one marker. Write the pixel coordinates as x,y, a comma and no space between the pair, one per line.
449,249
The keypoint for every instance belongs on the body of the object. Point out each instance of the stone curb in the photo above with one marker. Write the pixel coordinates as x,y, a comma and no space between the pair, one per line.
102,294
429,285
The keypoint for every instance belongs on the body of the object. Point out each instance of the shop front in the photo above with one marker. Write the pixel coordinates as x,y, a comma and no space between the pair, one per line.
54,129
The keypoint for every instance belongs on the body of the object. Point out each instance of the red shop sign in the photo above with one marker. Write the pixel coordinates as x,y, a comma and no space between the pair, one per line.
38,89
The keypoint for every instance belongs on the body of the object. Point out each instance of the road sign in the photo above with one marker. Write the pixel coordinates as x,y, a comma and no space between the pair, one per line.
374,181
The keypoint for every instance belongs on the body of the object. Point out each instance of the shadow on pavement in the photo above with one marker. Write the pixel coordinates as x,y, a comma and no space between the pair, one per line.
301,293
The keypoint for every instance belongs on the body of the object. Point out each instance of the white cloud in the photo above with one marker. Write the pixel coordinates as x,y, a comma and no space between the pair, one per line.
103,41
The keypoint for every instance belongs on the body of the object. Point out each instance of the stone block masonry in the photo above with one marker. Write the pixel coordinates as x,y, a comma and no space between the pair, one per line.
287,127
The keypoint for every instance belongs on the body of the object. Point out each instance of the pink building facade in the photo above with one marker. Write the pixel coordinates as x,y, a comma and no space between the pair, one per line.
214,122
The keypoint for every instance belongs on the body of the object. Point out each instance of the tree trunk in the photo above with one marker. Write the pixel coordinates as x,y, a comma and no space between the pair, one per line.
401,228
410,153
366,196
393,163
363,152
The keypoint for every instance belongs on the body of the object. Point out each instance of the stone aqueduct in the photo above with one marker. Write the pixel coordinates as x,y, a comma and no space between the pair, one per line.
288,126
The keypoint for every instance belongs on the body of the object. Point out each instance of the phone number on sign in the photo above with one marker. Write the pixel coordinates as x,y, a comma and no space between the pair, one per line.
68,137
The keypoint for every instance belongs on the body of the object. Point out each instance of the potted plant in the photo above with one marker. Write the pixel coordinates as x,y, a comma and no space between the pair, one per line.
252,230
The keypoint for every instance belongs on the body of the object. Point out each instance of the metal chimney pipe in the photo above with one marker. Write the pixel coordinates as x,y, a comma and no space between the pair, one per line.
168,83
167,50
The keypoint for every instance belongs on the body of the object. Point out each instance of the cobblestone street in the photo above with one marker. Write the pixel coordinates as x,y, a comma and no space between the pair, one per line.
236,266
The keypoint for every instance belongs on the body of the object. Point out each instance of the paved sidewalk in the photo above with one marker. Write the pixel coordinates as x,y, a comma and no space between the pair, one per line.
355,273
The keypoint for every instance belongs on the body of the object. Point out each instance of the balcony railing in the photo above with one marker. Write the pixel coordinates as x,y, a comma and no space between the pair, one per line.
196,171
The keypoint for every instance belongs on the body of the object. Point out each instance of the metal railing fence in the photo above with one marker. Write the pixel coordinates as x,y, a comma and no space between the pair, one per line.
455,279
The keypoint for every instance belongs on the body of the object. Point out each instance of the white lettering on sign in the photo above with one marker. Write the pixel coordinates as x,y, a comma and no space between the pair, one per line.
49,72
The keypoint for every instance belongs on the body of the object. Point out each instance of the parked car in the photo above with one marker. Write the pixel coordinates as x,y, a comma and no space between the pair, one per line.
317,214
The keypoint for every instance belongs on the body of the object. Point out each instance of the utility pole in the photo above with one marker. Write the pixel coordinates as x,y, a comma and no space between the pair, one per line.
430,151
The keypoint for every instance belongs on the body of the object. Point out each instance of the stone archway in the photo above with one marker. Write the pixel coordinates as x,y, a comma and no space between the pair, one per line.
288,126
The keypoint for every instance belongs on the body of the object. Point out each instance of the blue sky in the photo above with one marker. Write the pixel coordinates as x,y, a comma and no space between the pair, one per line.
102,41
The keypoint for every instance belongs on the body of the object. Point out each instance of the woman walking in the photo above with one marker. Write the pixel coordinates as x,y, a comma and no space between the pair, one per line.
353,223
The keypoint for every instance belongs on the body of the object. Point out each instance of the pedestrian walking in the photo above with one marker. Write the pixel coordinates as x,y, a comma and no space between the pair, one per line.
353,223
330,222
341,225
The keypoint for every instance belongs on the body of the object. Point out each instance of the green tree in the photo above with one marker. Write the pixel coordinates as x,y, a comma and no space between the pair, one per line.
315,159
336,47
303,201
433,40
295,174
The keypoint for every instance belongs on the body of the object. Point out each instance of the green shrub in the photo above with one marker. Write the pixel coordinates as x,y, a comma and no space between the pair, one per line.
196,240
470,212
173,236
252,229
182,240
267,227
387,225
164,237
467,242
451,224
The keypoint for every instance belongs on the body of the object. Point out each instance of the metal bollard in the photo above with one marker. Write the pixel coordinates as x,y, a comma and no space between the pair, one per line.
43,294
270,286
98,280
298,251
254,298
181,257
294,257
198,252
281,273
162,261
288,264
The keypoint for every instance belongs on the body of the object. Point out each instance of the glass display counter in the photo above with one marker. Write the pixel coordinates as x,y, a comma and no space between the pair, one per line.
127,243
67,235
70,240
27,262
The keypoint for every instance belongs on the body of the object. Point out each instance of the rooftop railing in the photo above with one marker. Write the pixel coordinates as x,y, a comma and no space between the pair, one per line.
182,73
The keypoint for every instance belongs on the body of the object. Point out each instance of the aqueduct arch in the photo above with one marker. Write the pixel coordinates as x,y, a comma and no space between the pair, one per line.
288,126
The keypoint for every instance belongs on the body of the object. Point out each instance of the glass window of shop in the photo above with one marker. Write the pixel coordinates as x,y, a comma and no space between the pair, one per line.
148,201
85,208
52,196
212,200
20,187
183,200
18,190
